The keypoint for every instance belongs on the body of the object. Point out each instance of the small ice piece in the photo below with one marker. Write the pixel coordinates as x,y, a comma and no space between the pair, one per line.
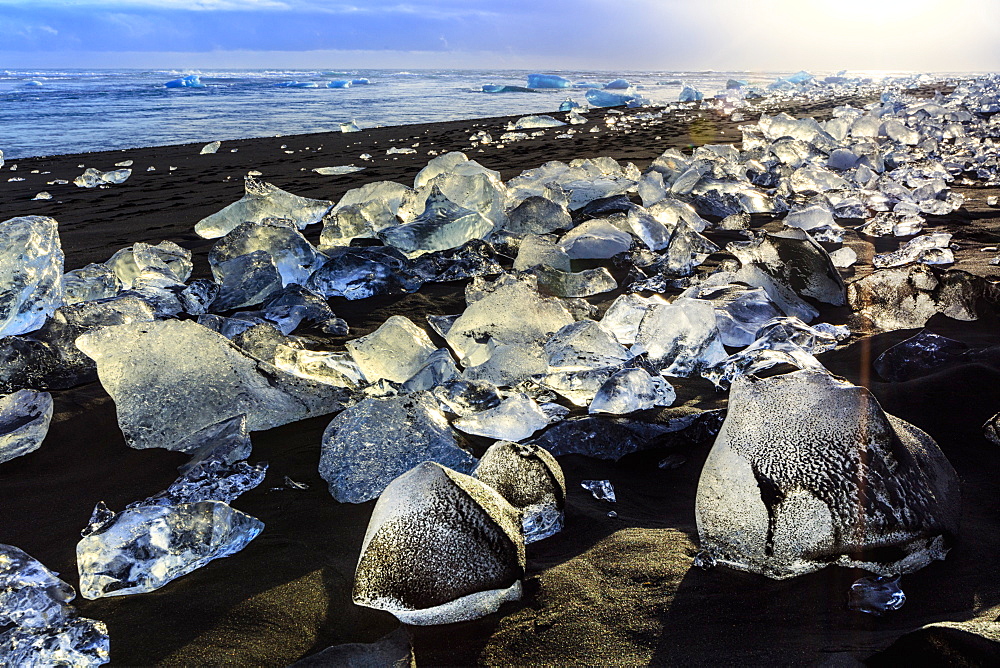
531,122
245,280
584,344
293,256
24,422
359,273
876,594
682,338
42,196
330,368
531,480
95,281
595,239
31,596
156,371
991,429
261,201
400,151
190,81
538,215
584,283
927,249
810,217
441,547
890,506
350,127
392,650
631,390
368,445
211,147
601,489
198,296
91,178
295,304
141,549
625,313
78,642
442,225
437,369
227,441
337,171
515,419
843,258
917,356
537,250
395,351
212,479
739,311
467,397
992,200
31,268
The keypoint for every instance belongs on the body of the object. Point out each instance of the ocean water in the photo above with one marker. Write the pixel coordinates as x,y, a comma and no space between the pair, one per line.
54,112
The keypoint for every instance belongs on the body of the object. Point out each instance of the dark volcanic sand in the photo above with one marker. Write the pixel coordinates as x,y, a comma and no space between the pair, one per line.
604,591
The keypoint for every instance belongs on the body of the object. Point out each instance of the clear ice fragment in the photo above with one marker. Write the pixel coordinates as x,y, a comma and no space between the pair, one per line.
261,201
927,249
917,356
31,268
91,178
631,390
245,280
211,147
292,255
876,595
95,281
681,338
24,422
601,489
595,239
31,596
395,351
442,225
515,419
79,642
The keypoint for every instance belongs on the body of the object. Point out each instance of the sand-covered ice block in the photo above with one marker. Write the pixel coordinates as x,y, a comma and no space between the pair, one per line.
531,480
24,422
143,548
293,256
378,439
261,201
808,471
681,338
395,351
441,547
31,268
172,378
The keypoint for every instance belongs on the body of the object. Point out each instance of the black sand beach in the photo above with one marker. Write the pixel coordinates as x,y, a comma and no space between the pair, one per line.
604,591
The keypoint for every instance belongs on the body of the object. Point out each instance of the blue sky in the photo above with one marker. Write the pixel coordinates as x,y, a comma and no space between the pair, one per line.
930,35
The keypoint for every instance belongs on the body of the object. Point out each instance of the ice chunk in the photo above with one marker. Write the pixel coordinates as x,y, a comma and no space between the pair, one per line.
625,313
595,239
631,390
441,547
441,226
468,185
294,258
295,304
263,200
602,490
681,338
768,501
602,98
810,217
337,171
395,351
876,594
31,268
538,215
24,422
95,281
91,178
689,94
842,159
537,250
245,280
739,310
843,258
358,273
584,344
165,257
190,81
548,81
369,444
793,259
513,314
227,441
574,284
466,397
507,364
31,596
437,369
532,122
531,480
77,642
443,164
474,258
141,549
928,249
157,371
330,368
392,650
906,297
211,147
917,355
515,419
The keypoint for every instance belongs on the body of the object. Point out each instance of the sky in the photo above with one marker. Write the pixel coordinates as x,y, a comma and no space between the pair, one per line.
786,35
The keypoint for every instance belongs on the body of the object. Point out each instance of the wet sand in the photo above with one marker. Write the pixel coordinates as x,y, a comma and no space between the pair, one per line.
604,591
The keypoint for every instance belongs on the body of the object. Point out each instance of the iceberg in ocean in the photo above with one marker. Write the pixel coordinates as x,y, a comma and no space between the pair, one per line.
190,81
548,81
497,88
602,98
618,84
339,83
689,94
